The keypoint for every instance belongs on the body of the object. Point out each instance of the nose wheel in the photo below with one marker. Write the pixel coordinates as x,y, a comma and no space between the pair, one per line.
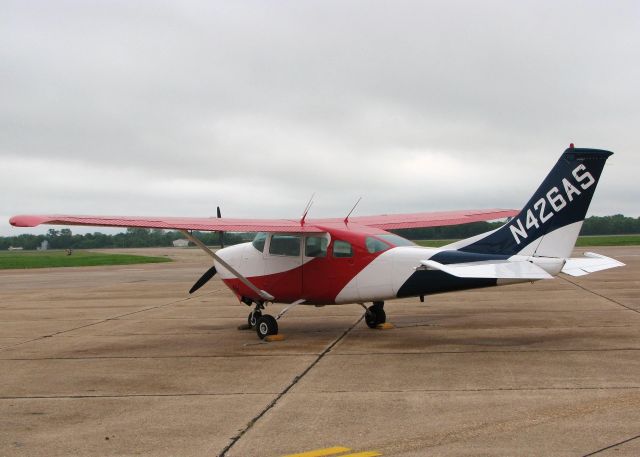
375,314
266,325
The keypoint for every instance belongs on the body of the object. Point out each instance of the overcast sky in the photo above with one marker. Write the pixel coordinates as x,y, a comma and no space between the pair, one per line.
173,108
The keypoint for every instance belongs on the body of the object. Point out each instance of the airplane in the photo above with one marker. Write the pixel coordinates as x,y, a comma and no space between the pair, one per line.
356,260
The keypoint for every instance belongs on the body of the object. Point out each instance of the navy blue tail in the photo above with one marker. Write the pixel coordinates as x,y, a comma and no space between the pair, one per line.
562,199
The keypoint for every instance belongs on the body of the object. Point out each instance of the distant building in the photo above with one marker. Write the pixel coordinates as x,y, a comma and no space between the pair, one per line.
44,245
181,243
19,248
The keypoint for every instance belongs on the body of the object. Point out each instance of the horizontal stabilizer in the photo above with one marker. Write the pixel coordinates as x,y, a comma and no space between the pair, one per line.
498,269
590,263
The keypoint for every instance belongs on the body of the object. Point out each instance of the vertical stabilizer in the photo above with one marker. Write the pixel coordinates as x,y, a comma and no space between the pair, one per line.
549,223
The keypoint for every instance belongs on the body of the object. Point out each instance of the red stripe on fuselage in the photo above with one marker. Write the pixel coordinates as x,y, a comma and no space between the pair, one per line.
321,279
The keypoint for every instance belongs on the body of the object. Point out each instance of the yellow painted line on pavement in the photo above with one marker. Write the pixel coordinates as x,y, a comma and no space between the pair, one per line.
321,452
334,451
363,454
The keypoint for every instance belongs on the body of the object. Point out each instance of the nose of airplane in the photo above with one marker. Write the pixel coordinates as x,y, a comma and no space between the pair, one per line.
232,255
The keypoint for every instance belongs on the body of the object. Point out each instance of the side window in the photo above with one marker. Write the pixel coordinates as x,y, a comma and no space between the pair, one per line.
342,249
375,245
285,245
315,246
258,241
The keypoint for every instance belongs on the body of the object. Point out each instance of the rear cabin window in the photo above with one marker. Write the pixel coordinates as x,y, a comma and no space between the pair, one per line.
342,249
258,241
315,246
375,245
288,245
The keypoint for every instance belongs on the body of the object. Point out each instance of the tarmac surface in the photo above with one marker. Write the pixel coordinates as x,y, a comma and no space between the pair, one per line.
120,360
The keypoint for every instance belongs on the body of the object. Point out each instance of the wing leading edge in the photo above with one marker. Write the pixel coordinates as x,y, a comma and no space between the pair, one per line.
170,223
384,222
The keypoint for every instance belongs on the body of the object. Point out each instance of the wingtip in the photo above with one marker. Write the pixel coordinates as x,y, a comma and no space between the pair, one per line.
24,220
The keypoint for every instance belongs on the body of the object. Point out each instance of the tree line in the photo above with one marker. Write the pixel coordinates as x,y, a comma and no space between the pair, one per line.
140,237
594,225
132,238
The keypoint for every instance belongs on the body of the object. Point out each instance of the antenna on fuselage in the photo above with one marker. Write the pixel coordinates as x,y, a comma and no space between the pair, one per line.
307,208
346,219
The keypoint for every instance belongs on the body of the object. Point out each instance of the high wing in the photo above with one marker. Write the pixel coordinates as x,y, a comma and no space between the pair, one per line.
204,224
384,222
435,219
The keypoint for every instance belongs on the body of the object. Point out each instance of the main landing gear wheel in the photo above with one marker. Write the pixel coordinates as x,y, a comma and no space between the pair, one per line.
375,315
266,325
254,315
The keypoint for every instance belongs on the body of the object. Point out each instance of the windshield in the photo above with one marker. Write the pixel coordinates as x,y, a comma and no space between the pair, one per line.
258,241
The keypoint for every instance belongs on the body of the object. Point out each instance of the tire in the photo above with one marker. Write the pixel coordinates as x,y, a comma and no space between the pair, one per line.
254,315
266,325
375,316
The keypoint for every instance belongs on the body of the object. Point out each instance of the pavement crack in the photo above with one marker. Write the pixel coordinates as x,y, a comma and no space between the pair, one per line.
479,351
153,357
479,389
612,446
187,394
293,382
102,321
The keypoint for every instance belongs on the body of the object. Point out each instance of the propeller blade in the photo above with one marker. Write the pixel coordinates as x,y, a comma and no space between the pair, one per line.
210,273
220,234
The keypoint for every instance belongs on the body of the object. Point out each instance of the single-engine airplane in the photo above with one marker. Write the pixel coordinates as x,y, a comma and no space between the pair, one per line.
356,260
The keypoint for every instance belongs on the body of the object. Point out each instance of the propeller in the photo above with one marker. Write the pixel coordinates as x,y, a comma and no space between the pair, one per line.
221,233
210,273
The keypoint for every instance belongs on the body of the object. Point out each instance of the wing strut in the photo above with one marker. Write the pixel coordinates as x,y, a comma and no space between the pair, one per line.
265,295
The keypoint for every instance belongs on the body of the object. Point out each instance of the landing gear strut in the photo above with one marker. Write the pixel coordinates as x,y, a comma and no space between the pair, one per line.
254,315
375,314
265,324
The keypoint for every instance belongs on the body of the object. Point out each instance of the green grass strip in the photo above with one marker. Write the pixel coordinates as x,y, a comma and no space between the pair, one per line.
53,259
433,243
608,240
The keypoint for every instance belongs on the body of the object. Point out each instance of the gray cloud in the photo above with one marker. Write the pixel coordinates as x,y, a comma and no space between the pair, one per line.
172,108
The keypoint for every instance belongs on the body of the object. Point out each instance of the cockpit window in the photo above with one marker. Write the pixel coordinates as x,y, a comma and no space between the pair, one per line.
258,241
288,245
342,249
315,246
375,245
396,240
